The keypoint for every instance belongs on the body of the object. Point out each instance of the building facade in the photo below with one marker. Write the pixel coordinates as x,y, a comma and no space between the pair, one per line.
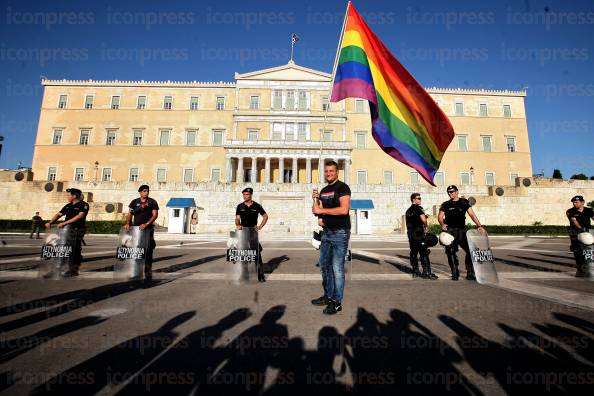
267,126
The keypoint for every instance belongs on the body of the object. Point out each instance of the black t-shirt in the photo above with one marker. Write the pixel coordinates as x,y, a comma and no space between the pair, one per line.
330,198
142,211
583,218
249,214
73,209
455,212
37,220
413,217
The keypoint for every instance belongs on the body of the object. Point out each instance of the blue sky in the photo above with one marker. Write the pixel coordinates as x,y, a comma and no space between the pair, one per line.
545,46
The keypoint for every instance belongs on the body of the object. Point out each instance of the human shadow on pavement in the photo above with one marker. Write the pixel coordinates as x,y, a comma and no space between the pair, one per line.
524,361
541,260
189,264
14,347
37,303
116,364
526,265
271,265
110,267
85,298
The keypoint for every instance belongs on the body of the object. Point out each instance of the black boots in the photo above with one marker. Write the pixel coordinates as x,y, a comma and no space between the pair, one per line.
414,263
427,274
453,262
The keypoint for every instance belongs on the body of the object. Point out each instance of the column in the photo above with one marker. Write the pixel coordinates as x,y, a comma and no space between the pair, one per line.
239,178
347,170
308,170
267,171
295,170
228,170
281,170
321,170
254,170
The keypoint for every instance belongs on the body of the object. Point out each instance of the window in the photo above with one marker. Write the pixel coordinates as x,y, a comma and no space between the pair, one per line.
110,138
176,212
459,109
359,106
302,131
194,102
84,137
290,102
89,102
277,131
414,178
51,173
62,101
215,175
327,136
167,102
290,131
277,100
141,102
462,143
302,100
489,178
252,135
190,138
254,102
79,174
325,103
507,111
512,178
486,143
483,109
115,102
439,179
57,139
465,178
361,139
133,174
161,175
361,177
164,138
217,138
188,175
511,144
106,174
220,103
137,139
388,177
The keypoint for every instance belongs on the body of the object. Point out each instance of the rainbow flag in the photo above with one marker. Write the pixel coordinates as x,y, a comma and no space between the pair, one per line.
406,122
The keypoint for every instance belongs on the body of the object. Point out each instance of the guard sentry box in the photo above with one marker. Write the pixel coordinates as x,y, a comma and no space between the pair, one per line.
131,253
482,257
57,253
243,253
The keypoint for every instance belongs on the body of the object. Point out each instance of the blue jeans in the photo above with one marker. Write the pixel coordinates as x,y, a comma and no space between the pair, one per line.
333,250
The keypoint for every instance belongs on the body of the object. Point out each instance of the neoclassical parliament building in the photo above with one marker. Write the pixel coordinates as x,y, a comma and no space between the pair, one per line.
268,126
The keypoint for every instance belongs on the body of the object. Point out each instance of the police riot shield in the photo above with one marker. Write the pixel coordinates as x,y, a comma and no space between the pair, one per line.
588,259
243,254
483,260
131,252
58,253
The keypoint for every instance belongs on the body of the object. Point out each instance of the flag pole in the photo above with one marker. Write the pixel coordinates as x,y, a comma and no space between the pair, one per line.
346,14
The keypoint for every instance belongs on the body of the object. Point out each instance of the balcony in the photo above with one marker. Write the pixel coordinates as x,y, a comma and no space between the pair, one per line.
286,144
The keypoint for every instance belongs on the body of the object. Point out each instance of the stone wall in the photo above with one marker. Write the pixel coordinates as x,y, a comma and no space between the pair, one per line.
289,205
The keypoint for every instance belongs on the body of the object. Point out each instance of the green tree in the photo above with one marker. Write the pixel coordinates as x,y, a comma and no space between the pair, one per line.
579,176
557,174
591,204
591,177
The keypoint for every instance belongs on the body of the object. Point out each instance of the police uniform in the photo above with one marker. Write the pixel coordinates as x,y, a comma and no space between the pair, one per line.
583,219
455,219
416,240
249,218
70,211
142,211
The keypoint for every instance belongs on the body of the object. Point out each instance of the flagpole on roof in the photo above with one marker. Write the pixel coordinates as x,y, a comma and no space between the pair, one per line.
346,14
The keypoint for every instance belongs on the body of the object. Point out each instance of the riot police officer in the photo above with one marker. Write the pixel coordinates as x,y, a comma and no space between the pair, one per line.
246,215
452,218
416,229
75,212
579,221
